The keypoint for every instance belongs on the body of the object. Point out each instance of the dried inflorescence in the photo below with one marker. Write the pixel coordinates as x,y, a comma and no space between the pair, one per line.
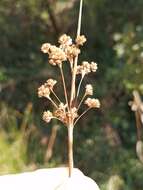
89,89
45,89
92,103
47,116
86,68
67,112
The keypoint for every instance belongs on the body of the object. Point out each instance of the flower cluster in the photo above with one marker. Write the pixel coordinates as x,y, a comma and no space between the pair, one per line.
45,89
86,68
89,89
56,55
80,40
67,51
47,116
92,103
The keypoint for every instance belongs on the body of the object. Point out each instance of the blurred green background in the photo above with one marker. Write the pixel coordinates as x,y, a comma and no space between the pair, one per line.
104,140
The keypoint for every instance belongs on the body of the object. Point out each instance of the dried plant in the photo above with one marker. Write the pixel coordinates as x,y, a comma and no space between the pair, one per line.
68,112
137,107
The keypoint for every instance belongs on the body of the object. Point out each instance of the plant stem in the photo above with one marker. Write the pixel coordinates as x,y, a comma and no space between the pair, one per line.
79,18
56,96
81,115
70,149
138,125
54,104
81,101
79,86
76,58
64,85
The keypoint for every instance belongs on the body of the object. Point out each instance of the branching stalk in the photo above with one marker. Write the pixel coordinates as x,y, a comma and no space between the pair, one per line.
81,101
81,115
56,96
54,104
79,86
76,58
64,85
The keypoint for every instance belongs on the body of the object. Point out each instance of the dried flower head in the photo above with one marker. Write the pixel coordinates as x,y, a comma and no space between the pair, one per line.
93,67
47,116
56,56
80,40
65,40
50,83
72,52
45,47
92,103
84,68
43,91
89,89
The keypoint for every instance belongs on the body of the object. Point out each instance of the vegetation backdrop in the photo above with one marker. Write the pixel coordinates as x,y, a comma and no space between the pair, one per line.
104,140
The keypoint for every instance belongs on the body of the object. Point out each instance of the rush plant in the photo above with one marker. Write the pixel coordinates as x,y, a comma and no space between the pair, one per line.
67,111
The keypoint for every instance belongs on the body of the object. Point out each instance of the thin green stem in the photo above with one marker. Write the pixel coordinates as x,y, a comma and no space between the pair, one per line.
81,115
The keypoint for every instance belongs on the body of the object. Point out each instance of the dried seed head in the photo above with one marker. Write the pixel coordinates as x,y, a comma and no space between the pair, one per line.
80,40
60,113
47,116
93,66
65,40
72,51
92,103
84,68
89,89
45,47
43,91
56,55
50,83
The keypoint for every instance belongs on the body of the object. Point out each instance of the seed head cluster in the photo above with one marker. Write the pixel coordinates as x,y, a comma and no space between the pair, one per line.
67,51
92,103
